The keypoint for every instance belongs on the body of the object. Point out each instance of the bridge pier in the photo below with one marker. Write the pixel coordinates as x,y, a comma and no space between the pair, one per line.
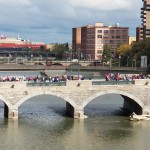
10,113
79,114
74,112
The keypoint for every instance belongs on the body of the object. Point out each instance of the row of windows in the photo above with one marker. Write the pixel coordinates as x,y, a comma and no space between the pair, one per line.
99,51
112,37
114,42
113,31
111,41
90,36
106,41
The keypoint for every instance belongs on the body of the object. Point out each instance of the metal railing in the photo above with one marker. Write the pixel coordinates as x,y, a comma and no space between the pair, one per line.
111,82
46,83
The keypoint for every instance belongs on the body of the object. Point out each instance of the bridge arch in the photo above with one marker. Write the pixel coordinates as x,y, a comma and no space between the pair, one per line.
129,97
3,99
27,97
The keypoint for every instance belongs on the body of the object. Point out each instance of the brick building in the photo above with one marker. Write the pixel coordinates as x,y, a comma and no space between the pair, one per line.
144,31
90,40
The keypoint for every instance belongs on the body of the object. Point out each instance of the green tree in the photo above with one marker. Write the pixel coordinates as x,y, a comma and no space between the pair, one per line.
123,50
141,48
106,54
42,48
60,50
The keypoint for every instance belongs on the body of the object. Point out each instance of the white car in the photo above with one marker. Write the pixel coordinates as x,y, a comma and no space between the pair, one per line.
74,60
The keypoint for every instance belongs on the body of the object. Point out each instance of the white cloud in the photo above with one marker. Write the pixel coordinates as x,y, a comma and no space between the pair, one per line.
12,3
47,19
102,4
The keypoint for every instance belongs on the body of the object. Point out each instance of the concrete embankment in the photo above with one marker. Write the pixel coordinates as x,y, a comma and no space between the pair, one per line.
20,67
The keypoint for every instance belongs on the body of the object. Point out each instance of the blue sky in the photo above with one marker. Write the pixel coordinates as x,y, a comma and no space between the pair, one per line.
51,21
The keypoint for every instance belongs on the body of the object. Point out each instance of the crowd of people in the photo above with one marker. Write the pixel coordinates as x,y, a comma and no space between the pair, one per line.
108,77
125,77
32,78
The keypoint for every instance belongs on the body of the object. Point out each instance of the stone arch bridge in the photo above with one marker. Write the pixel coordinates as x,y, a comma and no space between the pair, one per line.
77,94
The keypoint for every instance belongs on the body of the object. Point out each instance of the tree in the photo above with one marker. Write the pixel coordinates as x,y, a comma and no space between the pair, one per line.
60,50
123,50
141,48
106,54
42,48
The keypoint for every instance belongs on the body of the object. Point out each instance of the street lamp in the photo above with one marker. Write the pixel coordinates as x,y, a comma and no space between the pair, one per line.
134,63
79,50
127,61
70,56
119,60
110,61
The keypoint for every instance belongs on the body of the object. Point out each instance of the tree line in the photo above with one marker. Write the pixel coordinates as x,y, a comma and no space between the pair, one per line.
128,53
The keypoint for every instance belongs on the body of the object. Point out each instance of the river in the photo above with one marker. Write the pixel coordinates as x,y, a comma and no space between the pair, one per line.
43,125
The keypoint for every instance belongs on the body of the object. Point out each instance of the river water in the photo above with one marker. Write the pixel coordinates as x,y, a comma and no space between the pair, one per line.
43,125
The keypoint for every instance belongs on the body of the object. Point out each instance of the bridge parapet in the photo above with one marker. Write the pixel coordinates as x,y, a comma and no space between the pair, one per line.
141,81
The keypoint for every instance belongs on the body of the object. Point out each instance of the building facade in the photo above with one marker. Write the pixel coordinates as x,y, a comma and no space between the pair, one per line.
18,43
95,37
144,31
132,39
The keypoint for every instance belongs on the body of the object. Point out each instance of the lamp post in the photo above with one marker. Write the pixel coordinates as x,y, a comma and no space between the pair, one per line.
134,63
70,56
119,60
127,61
110,63
9,56
79,50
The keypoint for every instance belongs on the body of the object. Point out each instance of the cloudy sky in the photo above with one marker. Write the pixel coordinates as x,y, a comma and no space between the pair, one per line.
52,21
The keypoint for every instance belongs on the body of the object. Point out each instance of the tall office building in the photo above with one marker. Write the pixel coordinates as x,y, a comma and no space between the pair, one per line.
93,38
144,31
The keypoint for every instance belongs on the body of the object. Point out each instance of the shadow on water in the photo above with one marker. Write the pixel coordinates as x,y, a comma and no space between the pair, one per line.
105,105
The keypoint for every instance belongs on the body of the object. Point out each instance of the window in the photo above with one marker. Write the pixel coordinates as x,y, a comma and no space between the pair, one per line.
99,46
124,41
118,31
124,36
118,36
112,31
99,51
112,46
105,41
112,37
118,41
99,36
99,31
105,36
106,31
111,41
124,31
99,41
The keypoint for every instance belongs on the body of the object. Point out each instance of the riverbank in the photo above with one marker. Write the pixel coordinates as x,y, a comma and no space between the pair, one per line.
20,67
